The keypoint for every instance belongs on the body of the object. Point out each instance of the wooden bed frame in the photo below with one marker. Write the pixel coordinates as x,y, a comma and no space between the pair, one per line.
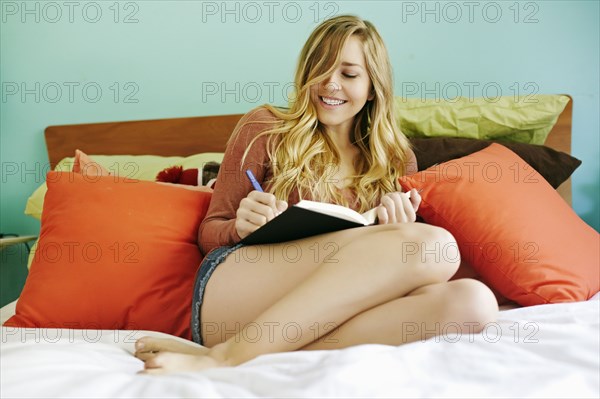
188,136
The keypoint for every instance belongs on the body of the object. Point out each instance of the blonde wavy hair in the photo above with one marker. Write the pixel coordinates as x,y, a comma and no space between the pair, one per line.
302,153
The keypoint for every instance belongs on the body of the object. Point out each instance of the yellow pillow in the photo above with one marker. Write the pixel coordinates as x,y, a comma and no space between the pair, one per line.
524,119
141,167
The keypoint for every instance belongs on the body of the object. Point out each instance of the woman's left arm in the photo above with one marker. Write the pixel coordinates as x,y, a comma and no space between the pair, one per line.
401,207
411,167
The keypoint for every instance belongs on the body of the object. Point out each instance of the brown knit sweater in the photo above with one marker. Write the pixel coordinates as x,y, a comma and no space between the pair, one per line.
218,228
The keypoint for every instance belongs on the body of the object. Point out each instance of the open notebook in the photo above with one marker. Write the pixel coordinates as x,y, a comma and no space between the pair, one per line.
309,218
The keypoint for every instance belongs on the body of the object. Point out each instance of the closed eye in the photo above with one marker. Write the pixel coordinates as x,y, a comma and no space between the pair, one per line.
347,75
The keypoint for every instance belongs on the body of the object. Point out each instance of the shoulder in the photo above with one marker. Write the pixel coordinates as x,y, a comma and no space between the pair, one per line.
410,163
259,115
406,161
249,128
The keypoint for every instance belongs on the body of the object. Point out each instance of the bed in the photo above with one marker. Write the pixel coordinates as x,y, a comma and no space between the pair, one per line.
546,350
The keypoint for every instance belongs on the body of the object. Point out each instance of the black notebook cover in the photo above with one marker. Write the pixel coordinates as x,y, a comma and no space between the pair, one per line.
295,223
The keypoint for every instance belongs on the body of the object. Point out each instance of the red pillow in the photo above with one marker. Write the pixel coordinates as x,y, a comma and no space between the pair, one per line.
114,253
511,226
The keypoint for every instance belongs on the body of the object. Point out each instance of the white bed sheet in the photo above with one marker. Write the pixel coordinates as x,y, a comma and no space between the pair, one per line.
539,351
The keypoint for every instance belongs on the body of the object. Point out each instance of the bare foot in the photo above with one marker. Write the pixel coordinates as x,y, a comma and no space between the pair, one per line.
148,347
86,166
171,362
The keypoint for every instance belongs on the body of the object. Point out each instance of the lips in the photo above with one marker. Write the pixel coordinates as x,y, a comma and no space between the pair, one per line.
332,102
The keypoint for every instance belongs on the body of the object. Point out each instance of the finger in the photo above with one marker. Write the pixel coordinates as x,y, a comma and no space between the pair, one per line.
415,198
390,206
263,198
408,212
400,202
244,228
382,215
252,216
266,199
281,206
255,212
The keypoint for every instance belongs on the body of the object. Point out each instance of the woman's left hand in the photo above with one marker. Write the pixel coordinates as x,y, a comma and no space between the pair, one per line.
399,207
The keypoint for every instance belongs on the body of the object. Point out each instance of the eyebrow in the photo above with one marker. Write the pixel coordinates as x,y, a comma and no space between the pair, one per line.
351,64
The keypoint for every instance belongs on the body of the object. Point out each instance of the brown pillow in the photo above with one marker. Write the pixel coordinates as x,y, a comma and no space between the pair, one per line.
554,166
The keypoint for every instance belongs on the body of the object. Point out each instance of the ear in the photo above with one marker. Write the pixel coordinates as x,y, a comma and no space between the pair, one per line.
371,95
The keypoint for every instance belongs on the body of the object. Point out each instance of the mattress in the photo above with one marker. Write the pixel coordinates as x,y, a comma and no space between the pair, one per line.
538,351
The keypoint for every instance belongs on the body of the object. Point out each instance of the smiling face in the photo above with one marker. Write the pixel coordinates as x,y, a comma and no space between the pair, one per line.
341,96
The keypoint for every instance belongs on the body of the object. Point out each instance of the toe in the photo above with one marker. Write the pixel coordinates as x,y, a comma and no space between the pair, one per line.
145,356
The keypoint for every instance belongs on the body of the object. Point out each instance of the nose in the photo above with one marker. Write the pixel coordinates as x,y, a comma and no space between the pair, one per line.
331,86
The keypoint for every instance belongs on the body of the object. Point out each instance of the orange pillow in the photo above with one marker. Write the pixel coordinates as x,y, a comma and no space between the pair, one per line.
114,253
511,226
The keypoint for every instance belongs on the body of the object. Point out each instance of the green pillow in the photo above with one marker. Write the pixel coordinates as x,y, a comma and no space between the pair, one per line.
141,167
525,119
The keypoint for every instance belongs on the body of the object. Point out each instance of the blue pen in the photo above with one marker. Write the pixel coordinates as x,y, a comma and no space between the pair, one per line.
253,180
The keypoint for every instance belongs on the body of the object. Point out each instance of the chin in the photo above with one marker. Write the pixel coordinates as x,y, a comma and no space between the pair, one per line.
329,122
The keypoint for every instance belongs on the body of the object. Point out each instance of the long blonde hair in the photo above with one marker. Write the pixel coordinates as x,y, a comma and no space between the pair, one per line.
303,152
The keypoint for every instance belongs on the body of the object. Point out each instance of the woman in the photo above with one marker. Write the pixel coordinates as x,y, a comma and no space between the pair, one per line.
386,283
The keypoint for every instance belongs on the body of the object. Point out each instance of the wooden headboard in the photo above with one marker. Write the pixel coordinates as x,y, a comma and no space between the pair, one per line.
188,136
166,137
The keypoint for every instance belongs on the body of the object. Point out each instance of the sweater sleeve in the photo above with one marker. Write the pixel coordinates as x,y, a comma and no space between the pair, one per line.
232,185
411,166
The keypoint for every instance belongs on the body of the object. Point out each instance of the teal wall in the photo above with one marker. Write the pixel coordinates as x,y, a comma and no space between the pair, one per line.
107,61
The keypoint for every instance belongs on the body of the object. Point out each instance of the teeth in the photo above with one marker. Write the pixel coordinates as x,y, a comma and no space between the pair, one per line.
331,101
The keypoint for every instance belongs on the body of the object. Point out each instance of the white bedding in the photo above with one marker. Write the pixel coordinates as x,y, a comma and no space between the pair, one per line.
539,351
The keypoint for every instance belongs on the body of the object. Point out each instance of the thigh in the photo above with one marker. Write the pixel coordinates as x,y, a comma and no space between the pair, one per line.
253,278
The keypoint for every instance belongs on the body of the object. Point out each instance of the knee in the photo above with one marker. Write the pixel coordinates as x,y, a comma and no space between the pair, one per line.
430,249
471,304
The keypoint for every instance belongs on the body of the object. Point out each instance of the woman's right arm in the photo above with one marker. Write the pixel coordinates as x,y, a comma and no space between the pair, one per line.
233,186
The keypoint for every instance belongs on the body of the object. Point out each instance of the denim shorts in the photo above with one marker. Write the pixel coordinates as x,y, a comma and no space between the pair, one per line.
210,262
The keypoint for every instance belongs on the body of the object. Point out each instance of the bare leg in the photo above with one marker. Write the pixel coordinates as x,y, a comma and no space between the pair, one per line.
320,292
456,307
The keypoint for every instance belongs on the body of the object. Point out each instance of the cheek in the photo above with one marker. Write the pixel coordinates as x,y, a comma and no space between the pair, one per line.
314,92
312,97
361,93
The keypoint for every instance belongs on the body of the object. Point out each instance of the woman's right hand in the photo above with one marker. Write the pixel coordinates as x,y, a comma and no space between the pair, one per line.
255,210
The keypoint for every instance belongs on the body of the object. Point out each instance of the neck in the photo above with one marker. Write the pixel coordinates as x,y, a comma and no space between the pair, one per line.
341,140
